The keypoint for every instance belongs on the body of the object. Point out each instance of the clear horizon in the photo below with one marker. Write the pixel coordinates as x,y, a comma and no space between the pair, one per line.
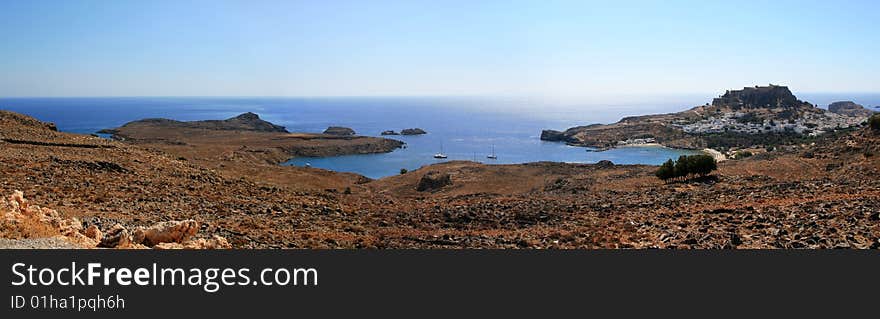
509,49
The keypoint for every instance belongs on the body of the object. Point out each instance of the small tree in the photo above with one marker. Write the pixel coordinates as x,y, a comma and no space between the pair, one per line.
874,122
667,170
686,166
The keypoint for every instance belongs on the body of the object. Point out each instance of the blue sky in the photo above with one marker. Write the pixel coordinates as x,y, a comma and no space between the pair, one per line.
362,48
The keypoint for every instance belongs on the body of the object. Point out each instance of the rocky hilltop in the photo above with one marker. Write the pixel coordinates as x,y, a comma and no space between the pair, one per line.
243,122
753,116
772,96
849,108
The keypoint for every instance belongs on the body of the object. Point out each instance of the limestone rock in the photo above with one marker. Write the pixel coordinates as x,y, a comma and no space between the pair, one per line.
94,233
116,237
339,130
166,232
215,242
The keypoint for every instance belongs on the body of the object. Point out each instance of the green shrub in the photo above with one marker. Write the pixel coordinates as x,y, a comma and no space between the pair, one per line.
743,154
686,167
874,122
667,170
403,171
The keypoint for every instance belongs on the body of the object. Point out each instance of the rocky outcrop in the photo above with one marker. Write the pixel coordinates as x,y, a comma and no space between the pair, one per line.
21,219
772,96
339,131
413,131
116,237
604,164
554,136
390,132
166,232
433,181
849,108
243,122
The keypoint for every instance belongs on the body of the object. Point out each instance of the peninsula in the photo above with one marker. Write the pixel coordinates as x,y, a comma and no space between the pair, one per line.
246,137
759,116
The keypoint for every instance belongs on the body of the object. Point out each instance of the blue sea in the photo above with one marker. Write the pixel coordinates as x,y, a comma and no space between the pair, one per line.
465,128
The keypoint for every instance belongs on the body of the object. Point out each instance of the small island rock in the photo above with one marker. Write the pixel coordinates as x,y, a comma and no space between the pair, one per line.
339,130
413,131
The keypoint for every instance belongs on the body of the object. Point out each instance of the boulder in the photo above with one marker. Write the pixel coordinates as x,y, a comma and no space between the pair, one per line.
413,131
432,181
339,130
166,232
94,233
116,237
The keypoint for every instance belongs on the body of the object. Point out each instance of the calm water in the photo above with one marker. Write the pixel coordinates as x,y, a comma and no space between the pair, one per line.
465,128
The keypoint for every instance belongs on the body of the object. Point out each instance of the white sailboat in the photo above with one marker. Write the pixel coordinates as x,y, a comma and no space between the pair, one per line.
440,155
492,156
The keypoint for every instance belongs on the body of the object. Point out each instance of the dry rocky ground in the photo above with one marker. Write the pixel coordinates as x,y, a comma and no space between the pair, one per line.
812,196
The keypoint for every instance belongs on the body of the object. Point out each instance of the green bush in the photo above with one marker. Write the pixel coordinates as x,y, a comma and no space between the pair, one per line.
667,170
874,121
403,171
686,167
743,154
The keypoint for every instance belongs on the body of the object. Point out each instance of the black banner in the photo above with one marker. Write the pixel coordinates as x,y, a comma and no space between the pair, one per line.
417,283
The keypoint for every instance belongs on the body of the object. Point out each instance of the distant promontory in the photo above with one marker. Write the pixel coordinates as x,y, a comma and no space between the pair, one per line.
246,137
760,115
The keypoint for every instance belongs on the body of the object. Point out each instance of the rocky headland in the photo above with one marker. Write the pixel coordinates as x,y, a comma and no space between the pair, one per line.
754,116
246,138
339,131
243,122
849,108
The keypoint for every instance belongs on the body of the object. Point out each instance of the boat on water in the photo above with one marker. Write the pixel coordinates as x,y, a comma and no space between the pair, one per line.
440,155
492,156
